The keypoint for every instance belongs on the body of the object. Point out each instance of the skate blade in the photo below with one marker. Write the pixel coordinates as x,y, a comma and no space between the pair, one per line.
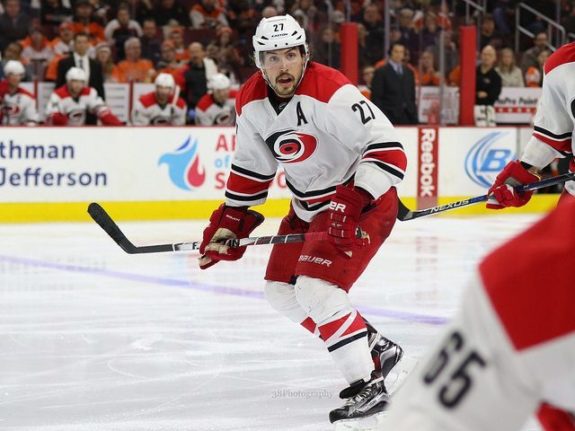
399,373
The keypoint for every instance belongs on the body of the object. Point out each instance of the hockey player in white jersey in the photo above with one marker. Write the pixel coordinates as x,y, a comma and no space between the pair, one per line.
69,104
552,133
216,108
17,105
342,159
510,348
161,107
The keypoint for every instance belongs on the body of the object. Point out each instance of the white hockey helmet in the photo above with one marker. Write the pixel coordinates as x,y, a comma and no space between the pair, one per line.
165,80
278,32
219,82
76,74
13,67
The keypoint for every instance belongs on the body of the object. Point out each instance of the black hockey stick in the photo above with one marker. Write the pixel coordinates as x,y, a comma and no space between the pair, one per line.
405,214
100,216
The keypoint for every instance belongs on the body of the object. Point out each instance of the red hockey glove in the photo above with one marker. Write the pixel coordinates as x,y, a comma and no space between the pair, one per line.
343,216
553,419
502,193
227,223
109,119
58,119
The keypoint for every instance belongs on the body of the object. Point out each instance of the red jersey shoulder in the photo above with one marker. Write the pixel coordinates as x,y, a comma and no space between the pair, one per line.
181,103
62,92
565,54
205,102
26,93
526,281
148,99
321,82
255,88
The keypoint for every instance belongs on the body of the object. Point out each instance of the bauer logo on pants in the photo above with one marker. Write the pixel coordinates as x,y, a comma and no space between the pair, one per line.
184,165
487,158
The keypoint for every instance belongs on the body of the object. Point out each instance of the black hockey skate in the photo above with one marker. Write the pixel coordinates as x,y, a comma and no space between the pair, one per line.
370,398
385,354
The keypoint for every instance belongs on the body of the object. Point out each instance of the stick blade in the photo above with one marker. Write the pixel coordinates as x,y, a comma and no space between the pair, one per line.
403,213
103,219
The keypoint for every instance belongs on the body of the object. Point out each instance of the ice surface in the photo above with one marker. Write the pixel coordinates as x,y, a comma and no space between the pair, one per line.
95,339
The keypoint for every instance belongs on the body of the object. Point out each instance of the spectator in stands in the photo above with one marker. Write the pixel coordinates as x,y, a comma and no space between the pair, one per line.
451,53
161,107
374,39
110,70
511,75
135,68
38,54
529,57
393,88
269,11
487,87
63,42
171,10
427,75
17,105
196,75
151,46
84,22
207,14
367,77
224,52
14,23
53,13
144,10
120,29
409,38
327,50
170,65
70,103
534,74
176,36
488,35
217,107
14,52
430,31
307,9
80,59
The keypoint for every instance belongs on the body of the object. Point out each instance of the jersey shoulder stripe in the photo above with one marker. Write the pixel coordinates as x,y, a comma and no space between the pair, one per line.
148,99
565,54
205,102
535,305
255,88
321,82
26,93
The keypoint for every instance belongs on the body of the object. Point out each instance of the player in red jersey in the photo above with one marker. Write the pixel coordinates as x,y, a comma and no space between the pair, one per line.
342,159
552,133
552,138
510,348
17,106
161,107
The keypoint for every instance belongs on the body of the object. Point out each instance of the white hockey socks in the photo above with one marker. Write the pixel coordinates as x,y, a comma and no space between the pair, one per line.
340,325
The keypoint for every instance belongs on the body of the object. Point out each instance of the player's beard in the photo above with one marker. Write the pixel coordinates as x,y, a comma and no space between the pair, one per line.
286,89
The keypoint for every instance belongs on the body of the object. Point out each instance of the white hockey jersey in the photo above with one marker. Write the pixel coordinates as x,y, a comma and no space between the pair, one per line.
553,123
511,346
326,135
17,109
211,113
74,109
147,112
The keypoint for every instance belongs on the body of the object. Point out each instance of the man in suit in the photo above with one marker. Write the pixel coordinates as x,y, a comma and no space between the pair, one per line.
79,58
393,88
